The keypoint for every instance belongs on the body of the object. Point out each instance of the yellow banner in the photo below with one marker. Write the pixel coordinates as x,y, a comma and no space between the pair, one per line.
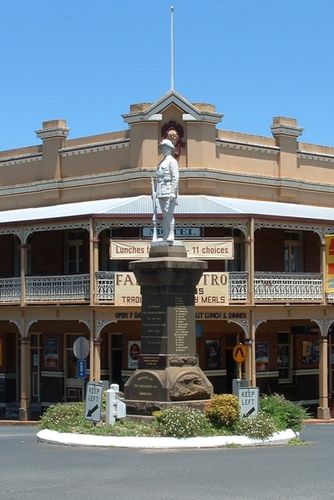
138,249
212,290
329,263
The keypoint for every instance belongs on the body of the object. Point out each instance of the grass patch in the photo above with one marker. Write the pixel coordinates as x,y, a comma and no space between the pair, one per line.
296,441
220,419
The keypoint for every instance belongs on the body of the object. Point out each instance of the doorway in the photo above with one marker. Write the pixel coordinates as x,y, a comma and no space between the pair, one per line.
115,364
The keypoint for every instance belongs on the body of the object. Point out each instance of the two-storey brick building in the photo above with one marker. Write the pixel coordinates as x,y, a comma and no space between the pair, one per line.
62,202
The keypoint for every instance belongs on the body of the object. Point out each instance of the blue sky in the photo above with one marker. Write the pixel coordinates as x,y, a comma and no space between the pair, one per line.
87,61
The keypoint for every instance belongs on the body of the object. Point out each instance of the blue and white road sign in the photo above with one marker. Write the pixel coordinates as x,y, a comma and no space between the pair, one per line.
81,368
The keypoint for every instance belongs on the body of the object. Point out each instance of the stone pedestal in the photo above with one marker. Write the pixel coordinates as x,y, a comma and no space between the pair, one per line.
168,365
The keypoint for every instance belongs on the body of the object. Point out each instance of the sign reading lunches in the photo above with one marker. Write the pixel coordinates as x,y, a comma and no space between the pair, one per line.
329,263
212,290
222,249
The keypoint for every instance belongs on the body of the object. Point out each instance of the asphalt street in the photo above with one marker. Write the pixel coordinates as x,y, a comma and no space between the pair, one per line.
39,471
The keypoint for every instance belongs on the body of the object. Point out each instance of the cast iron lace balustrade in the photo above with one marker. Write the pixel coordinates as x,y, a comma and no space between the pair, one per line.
298,287
72,288
237,283
10,290
268,287
105,283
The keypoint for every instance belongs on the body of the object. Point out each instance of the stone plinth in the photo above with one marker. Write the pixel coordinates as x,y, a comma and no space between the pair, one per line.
168,365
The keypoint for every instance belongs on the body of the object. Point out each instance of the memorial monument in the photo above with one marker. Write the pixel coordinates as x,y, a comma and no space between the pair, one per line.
168,371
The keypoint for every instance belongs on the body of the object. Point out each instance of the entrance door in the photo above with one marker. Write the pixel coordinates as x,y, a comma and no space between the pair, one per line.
116,359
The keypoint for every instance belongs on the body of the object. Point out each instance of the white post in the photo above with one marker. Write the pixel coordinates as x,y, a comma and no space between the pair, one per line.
115,408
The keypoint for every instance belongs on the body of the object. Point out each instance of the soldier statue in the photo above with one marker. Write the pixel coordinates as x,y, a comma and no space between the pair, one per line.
167,185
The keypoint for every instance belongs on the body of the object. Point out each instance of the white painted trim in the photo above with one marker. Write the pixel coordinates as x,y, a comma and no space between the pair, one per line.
305,371
267,374
215,373
55,374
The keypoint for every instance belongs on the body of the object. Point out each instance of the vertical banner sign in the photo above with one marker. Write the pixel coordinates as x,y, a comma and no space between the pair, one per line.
329,263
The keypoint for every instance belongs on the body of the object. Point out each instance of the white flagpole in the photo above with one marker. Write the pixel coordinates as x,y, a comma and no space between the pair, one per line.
172,84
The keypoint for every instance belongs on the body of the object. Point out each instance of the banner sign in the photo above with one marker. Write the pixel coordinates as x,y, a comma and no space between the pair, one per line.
329,263
212,290
222,249
126,315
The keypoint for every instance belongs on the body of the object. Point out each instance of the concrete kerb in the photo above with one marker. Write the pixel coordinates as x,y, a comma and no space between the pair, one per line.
54,437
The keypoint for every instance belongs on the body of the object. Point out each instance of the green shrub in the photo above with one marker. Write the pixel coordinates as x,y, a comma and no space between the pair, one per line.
182,422
286,414
223,410
65,417
261,426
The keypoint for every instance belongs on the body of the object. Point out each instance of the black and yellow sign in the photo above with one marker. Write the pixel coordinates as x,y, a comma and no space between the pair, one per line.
239,353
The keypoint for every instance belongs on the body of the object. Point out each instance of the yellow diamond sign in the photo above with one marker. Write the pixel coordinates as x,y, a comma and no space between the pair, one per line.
239,353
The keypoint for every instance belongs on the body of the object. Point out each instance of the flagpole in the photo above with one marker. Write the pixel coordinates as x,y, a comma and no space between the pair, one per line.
172,84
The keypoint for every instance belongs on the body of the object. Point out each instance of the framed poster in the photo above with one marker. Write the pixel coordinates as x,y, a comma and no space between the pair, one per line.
51,353
212,354
310,352
133,354
262,356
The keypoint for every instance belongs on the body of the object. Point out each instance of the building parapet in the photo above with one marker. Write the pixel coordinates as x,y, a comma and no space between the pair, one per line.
94,147
245,146
19,160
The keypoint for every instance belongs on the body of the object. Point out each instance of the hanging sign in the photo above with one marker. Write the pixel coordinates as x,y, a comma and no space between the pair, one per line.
222,249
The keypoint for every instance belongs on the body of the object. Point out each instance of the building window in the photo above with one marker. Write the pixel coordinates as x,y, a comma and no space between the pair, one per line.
74,252
284,358
293,258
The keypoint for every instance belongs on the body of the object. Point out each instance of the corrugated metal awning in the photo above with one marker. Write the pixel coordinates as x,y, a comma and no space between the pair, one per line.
196,205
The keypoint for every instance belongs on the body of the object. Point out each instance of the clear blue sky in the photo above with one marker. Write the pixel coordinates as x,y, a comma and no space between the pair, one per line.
86,61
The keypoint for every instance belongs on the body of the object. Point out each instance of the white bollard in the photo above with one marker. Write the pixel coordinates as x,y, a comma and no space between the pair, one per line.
115,408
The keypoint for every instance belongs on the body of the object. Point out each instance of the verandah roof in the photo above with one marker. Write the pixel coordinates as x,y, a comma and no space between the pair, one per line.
195,205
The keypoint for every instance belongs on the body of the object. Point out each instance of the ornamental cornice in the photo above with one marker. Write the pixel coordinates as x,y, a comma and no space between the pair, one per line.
315,157
21,160
94,148
247,147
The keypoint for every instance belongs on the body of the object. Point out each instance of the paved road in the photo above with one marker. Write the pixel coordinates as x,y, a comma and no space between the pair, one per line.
31,470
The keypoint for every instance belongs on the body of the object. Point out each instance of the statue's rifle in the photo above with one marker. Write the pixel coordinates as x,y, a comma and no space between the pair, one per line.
155,212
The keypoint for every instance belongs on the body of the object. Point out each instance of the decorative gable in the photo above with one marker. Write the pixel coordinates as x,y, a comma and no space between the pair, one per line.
190,112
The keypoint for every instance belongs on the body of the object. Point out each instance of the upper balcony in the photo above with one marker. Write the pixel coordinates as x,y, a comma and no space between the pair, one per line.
269,288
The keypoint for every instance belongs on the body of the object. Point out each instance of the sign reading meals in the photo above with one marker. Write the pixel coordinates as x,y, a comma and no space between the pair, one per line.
222,249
